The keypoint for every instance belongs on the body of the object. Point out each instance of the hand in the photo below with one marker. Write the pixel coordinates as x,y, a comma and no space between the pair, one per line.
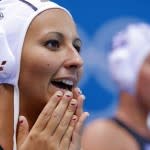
77,94
76,137
54,127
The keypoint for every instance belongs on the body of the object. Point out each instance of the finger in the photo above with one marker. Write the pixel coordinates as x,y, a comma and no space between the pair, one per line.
80,99
58,113
65,143
76,92
60,131
46,113
23,130
79,127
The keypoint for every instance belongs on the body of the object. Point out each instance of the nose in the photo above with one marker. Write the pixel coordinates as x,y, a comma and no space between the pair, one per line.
74,59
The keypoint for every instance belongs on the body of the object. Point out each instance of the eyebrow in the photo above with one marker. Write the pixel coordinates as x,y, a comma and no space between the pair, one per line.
60,35
56,34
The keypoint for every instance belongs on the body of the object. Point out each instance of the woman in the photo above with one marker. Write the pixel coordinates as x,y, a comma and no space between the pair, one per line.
129,63
48,67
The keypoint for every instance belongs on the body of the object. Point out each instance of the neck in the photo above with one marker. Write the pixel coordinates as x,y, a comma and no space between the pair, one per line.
31,110
133,114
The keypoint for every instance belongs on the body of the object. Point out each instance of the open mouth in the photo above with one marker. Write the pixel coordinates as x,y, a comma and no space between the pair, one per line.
63,84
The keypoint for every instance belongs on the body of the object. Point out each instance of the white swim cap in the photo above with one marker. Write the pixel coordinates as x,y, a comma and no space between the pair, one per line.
129,49
15,18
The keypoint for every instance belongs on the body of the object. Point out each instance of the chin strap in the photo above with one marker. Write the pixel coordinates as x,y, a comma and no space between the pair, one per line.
16,114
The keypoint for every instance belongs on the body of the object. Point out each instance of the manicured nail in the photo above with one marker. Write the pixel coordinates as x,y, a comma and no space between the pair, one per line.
79,91
74,118
59,93
20,120
68,94
73,103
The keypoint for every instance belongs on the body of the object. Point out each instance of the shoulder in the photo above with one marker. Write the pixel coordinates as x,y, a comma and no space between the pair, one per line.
105,134
100,127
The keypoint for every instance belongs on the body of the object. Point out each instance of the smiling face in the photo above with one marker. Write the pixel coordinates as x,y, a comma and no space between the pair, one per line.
50,59
143,85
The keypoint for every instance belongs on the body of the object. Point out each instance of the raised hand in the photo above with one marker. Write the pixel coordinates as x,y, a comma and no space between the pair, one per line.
56,127
76,137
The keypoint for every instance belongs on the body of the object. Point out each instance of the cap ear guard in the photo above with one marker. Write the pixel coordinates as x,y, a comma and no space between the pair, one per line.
7,61
120,69
130,48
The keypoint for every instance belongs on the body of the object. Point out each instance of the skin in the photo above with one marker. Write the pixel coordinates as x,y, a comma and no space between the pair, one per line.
143,85
53,117
6,125
53,63
132,110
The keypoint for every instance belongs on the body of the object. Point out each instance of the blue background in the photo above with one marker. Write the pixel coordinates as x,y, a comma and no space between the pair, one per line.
98,21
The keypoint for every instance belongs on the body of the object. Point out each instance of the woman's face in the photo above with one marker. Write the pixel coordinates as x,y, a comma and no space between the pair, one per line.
50,58
143,84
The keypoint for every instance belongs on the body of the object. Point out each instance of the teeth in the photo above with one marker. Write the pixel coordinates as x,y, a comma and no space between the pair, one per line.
65,81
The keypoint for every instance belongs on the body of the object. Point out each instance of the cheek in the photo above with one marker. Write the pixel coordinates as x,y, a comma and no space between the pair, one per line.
36,71
39,61
39,72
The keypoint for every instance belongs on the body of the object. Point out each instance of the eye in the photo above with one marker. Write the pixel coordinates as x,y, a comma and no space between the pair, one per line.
52,44
77,45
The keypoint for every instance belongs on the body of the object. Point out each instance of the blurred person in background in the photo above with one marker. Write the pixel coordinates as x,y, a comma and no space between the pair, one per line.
129,63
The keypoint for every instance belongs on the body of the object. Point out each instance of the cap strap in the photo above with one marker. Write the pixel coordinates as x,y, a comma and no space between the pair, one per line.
29,4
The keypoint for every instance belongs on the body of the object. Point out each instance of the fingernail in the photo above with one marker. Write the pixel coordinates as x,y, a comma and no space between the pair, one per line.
20,120
68,94
79,91
73,103
59,93
74,118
